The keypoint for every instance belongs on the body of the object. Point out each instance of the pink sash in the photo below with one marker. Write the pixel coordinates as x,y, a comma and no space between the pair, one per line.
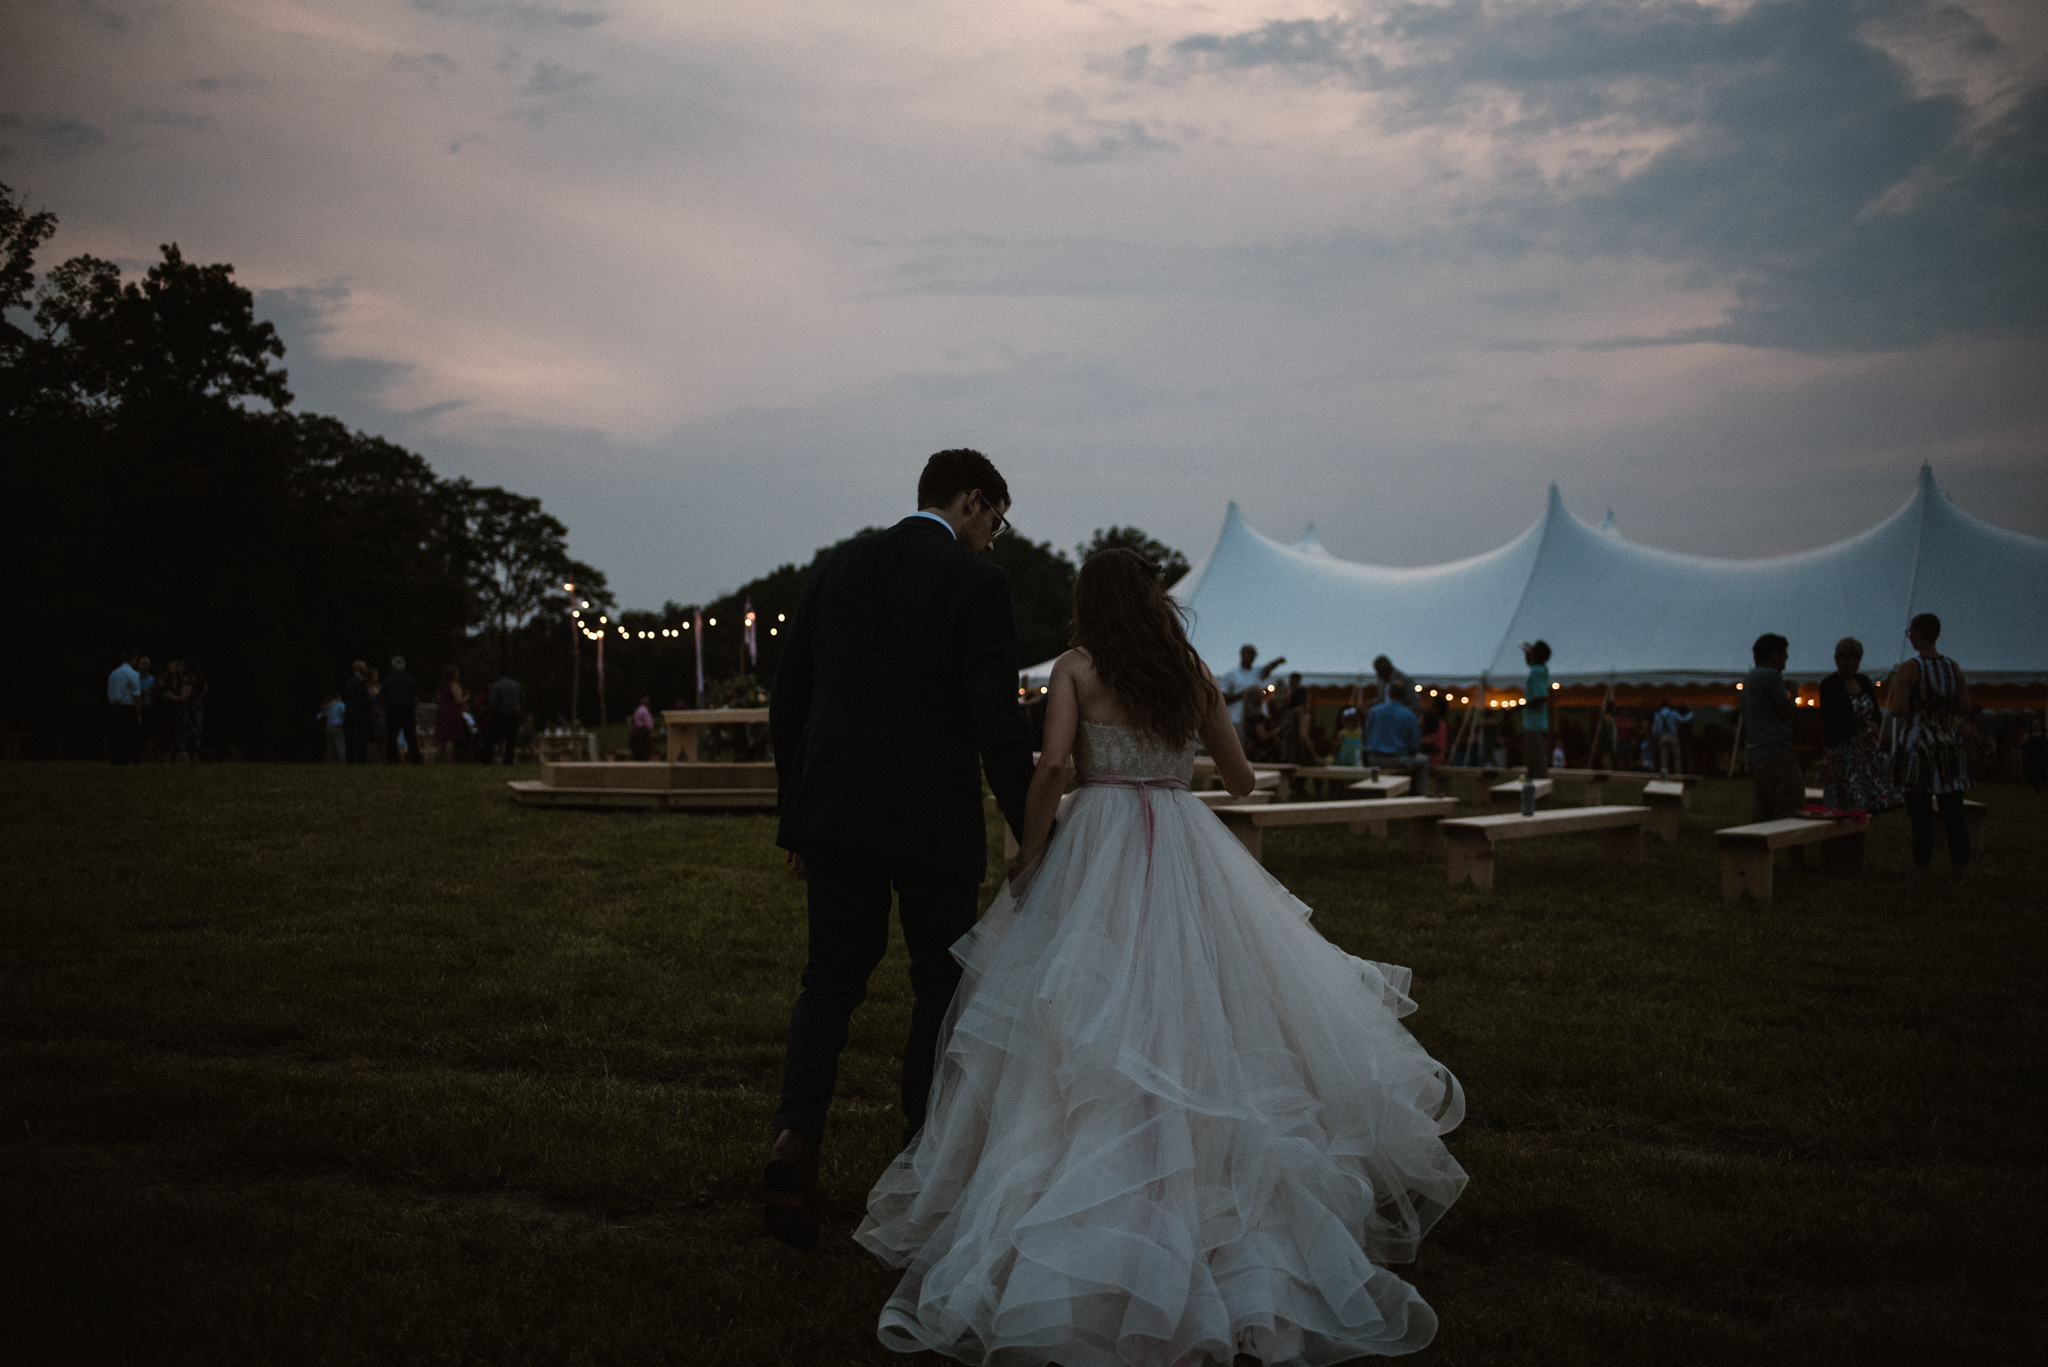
1143,787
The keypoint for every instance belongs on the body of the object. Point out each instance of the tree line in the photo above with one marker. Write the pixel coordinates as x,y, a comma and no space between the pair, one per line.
163,497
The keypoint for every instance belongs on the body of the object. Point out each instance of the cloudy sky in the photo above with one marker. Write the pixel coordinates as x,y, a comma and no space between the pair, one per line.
712,279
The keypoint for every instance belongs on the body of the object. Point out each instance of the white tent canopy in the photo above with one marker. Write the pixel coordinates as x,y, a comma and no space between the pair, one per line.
1611,609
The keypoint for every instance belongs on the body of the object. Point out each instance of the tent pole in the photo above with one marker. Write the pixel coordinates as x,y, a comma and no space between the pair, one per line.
1735,753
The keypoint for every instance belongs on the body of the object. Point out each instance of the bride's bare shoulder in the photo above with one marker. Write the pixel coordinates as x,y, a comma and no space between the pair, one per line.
1075,664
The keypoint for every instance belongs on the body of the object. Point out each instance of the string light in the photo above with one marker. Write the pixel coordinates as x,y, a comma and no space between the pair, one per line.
711,621
780,618
772,630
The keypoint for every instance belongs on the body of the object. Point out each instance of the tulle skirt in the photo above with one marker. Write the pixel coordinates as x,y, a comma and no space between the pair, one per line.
1171,1123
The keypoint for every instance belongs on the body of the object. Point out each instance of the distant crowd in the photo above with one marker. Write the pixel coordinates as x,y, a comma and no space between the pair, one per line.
150,717
377,716
1911,748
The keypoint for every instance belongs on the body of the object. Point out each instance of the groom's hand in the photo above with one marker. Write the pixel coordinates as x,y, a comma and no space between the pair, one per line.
795,862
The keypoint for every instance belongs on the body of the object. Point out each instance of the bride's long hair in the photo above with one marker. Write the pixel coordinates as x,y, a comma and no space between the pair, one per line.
1134,634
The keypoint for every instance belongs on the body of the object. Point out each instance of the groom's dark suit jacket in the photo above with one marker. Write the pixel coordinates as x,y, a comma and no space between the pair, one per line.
897,688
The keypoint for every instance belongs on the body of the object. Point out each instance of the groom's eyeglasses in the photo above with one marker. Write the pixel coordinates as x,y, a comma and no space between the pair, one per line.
1002,525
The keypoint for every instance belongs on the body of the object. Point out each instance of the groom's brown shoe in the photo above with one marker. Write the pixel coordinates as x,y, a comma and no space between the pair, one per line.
791,1187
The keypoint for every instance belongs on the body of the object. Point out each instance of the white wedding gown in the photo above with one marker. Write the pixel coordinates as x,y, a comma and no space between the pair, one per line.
1171,1122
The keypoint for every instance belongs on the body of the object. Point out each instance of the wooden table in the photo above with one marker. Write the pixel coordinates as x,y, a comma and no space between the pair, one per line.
682,727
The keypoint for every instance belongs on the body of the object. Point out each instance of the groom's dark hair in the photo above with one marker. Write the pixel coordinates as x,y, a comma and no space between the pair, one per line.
950,474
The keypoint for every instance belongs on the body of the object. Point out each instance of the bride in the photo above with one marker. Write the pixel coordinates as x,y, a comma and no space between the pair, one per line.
1171,1123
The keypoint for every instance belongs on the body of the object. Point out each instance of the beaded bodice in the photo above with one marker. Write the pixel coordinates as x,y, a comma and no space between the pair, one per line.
1100,748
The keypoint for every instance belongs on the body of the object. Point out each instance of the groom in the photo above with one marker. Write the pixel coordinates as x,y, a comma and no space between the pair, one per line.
897,689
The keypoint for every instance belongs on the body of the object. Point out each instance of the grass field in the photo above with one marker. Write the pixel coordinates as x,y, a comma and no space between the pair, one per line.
305,1065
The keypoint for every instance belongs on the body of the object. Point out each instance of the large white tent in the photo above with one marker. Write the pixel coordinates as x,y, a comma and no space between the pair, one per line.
1612,609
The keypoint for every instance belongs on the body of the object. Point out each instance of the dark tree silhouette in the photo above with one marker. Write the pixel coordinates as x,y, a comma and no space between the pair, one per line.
1170,562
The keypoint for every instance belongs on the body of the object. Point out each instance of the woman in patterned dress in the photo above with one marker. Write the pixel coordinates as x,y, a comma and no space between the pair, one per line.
1858,776
1931,698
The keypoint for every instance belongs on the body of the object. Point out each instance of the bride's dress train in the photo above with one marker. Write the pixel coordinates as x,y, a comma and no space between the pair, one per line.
1171,1122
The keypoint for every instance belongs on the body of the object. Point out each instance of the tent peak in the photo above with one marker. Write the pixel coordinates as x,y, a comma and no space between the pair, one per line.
1609,525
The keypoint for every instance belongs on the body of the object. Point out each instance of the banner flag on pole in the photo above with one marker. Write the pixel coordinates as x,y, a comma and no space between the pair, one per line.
752,658
697,630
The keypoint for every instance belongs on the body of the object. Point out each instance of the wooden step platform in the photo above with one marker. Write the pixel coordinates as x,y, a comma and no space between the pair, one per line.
531,794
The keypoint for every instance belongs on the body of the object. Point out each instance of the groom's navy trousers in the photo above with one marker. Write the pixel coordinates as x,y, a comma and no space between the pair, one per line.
896,693
849,924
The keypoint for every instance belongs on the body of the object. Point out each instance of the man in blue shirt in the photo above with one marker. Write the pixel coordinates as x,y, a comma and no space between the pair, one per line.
124,711
331,715
1393,740
1665,728
1776,789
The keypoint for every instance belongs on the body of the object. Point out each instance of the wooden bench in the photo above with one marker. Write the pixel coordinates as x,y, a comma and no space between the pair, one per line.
1318,778
1830,846
1265,777
1507,797
1217,797
1212,800
1666,801
682,726
1471,839
1974,815
1388,785
1595,781
1483,776
1423,814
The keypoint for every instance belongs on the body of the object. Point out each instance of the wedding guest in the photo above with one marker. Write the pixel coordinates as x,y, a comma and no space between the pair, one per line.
1239,682
401,714
375,736
333,715
1776,789
1557,754
1536,709
1606,749
355,702
1248,716
124,711
1393,740
1857,775
192,714
449,726
1296,739
170,701
477,724
1930,697
1391,677
1664,730
507,707
1436,732
640,731
1350,738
